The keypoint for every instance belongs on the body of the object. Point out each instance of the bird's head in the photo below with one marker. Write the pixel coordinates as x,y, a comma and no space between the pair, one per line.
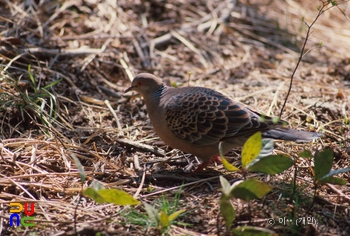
145,83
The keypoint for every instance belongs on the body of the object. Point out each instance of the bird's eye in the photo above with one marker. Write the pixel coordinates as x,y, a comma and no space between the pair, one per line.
139,83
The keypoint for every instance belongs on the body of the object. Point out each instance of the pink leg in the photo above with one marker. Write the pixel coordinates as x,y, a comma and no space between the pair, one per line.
204,164
215,158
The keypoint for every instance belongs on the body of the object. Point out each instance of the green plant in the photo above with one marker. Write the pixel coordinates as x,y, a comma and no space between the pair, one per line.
256,158
246,190
167,213
322,173
162,220
28,98
134,216
100,194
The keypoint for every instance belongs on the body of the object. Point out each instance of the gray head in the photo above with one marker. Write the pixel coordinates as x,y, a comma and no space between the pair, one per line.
145,83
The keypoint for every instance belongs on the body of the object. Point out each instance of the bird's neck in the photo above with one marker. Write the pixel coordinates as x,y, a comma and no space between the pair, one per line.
153,100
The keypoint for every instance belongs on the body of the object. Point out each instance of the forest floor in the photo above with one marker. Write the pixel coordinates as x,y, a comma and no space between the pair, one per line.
84,53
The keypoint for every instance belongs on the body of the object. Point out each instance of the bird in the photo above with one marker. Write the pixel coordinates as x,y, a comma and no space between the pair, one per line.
196,119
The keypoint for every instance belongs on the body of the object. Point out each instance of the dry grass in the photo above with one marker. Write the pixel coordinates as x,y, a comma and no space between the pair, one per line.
246,50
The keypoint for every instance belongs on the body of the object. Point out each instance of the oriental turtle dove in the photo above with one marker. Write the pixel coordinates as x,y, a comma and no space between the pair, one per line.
196,119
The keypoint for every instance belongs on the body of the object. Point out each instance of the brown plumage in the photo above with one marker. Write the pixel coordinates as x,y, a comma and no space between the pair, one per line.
196,119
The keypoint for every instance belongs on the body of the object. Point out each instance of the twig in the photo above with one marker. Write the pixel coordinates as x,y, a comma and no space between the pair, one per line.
141,184
308,33
188,44
142,146
67,52
126,68
177,187
347,198
115,116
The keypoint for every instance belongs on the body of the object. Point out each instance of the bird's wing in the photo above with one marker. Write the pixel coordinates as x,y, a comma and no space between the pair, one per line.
203,117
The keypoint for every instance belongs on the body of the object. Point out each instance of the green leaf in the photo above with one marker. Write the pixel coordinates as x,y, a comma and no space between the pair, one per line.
118,197
328,178
227,211
335,172
252,231
31,77
80,168
93,194
163,219
96,185
346,120
100,194
251,148
226,187
176,214
52,84
152,213
305,154
273,164
333,180
267,148
250,189
275,120
92,191
323,163
228,166
176,84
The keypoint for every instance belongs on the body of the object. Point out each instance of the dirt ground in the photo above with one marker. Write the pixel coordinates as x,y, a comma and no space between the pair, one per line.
84,54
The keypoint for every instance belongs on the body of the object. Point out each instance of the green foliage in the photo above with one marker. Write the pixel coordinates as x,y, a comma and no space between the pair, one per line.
170,206
272,164
246,190
323,165
226,187
226,164
334,3
227,211
334,180
252,231
255,157
79,167
97,192
306,154
251,149
152,213
167,214
323,161
161,217
250,189
176,84
135,217
29,97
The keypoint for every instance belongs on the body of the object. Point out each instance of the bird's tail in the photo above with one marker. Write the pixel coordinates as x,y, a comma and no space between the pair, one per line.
291,135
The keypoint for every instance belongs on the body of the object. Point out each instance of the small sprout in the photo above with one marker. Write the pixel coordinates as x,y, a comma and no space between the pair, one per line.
275,120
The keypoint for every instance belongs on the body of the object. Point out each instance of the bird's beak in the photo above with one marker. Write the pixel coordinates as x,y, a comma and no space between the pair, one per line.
129,89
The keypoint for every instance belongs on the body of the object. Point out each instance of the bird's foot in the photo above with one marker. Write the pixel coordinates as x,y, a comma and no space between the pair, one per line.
204,164
215,158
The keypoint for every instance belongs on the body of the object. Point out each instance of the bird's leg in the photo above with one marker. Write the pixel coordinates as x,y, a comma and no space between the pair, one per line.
204,164
215,158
